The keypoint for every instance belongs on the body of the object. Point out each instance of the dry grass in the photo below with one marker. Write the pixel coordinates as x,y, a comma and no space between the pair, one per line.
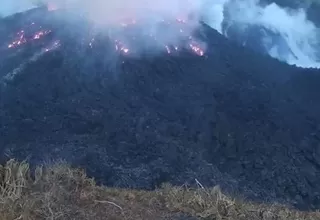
62,192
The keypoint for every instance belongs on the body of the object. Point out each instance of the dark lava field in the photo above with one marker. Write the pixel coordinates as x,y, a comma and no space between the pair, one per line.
228,117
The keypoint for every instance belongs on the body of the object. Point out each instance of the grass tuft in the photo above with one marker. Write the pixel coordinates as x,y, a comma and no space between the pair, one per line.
61,192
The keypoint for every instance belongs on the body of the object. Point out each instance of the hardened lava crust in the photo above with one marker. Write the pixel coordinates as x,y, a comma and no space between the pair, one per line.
206,109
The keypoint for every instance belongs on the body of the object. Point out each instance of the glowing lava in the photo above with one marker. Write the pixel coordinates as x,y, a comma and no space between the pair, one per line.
54,46
196,49
126,37
121,47
21,37
178,25
19,40
39,34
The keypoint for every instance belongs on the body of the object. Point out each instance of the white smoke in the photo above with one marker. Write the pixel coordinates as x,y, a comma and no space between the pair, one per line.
298,33
164,25
107,11
213,13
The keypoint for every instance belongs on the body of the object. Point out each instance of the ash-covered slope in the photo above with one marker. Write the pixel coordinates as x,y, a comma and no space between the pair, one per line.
230,117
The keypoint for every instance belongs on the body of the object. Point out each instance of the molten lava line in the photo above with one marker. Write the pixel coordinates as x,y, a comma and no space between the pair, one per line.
120,46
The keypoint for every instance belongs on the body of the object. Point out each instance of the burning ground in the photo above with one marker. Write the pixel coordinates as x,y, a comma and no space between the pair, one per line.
135,115
129,37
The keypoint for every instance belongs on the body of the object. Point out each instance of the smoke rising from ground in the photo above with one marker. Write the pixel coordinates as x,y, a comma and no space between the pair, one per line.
164,25
294,30
297,35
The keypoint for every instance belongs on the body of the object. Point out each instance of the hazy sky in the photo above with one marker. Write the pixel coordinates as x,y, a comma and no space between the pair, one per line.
8,7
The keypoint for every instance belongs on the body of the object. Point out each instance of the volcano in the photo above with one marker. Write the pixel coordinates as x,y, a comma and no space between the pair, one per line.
220,114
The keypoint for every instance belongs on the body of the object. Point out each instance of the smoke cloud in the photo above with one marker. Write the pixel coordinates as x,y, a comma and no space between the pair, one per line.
295,33
294,30
164,24
109,12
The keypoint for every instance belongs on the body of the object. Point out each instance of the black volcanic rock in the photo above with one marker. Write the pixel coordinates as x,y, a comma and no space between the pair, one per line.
232,117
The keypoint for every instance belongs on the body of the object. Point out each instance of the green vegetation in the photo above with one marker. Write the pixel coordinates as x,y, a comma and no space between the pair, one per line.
62,192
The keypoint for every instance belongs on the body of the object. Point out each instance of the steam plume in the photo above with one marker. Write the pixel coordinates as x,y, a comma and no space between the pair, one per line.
297,33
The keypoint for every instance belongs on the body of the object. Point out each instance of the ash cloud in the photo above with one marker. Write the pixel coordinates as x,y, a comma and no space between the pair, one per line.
160,25
288,34
149,16
106,12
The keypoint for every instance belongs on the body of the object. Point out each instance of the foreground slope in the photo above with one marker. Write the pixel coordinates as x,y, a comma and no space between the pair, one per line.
61,192
231,117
